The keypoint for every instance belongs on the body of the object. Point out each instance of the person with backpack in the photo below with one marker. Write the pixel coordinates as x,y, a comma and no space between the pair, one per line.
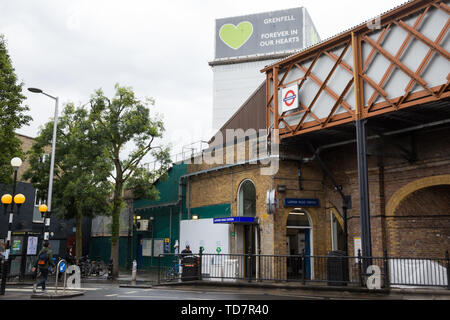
43,261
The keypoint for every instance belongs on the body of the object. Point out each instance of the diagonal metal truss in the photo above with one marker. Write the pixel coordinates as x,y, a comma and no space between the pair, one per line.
352,88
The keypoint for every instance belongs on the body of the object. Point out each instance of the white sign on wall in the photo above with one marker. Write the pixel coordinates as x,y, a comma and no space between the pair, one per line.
159,247
32,246
289,98
147,247
204,233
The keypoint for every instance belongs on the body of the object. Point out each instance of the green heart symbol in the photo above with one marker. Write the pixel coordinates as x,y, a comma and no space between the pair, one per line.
236,36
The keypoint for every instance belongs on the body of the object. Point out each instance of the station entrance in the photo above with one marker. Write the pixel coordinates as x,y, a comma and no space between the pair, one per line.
298,243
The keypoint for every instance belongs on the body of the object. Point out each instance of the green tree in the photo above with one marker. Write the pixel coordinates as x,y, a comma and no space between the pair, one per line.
81,188
12,114
118,123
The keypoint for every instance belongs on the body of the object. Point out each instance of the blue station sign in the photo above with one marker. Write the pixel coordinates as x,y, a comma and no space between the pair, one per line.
230,220
295,202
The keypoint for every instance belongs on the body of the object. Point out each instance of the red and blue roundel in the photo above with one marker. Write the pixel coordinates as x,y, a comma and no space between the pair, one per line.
289,98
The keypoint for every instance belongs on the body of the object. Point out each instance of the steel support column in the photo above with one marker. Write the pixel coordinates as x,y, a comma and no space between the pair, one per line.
361,144
363,187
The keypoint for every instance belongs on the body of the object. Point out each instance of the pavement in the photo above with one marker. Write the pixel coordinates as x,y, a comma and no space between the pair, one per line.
61,294
149,280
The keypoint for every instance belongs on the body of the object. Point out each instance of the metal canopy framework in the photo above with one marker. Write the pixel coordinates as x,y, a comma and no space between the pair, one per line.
396,62
378,70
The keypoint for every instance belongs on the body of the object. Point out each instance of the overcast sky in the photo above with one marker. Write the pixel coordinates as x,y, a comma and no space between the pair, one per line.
159,48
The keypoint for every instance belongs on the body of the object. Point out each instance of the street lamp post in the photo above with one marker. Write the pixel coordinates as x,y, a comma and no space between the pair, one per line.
130,234
52,164
10,200
43,209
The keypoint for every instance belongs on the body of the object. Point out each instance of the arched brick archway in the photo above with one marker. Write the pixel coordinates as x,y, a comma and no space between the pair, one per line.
416,185
418,218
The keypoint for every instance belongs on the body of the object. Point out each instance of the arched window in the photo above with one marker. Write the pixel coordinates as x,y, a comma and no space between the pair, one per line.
247,199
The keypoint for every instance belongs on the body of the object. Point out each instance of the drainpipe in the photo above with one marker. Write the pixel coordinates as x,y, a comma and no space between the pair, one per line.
346,200
189,198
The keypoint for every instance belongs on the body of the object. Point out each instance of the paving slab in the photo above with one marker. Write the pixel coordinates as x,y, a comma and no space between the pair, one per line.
60,294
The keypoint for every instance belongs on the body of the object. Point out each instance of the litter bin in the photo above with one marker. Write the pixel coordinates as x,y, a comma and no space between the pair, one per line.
337,268
190,268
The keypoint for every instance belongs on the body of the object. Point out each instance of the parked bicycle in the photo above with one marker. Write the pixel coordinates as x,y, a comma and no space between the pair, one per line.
173,272
98,267
94,267
84,265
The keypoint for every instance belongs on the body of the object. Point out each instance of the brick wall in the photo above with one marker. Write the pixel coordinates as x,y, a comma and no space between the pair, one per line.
222,186
421,225
394,231
27,143
388,172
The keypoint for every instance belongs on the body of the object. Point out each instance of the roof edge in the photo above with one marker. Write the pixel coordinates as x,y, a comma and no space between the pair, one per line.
401,10
238,110
244,59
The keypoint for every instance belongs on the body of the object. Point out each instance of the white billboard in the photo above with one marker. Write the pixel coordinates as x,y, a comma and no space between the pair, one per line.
214,238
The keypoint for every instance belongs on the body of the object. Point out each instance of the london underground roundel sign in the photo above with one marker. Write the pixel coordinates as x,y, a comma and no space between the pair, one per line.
271,201
289,98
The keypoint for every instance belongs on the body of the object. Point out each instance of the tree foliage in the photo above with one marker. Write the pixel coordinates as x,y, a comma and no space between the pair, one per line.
92,167
117,123
81,188
12,114
142,181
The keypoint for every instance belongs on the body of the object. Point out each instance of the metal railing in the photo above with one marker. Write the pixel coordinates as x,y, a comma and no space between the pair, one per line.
334,269
188,152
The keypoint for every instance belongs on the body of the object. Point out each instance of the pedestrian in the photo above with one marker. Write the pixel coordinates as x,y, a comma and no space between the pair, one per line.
186,251
43,261
69,255
2,249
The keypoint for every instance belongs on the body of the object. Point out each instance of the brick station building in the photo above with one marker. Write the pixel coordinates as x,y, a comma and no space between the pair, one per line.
407,140
363,155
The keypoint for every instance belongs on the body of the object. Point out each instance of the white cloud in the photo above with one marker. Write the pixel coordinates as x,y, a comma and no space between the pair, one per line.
160,48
